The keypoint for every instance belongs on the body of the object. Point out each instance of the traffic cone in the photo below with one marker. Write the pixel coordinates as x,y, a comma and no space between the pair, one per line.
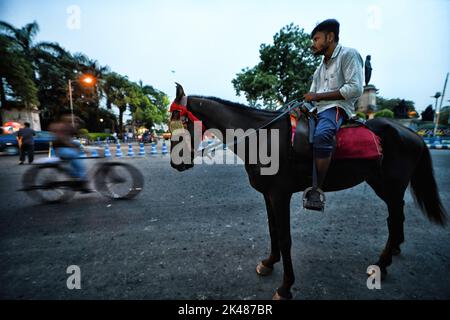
118,151
141,150
130,150
51,151
94,153
164,148
154,152
82,153
107,152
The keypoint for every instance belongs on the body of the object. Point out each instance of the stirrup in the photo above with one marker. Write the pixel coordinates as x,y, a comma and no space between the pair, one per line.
316,205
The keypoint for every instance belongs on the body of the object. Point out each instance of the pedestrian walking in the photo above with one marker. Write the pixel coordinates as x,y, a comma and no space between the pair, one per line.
25,138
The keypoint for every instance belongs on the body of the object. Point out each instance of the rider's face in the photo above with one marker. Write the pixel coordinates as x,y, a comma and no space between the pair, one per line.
320,43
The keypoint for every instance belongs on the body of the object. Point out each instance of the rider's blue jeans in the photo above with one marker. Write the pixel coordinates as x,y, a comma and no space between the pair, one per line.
78,169
328,124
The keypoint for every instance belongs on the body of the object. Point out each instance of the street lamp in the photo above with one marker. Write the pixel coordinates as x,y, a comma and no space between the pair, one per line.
85,79
436,113
436,96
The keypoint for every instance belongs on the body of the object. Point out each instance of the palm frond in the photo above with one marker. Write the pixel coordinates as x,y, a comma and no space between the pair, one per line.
31,29
7,28
53,48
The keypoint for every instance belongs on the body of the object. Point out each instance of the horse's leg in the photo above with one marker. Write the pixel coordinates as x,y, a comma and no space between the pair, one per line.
265,267
395,225
392,193
281,208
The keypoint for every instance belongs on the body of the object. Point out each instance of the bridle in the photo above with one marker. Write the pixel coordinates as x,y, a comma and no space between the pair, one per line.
185,116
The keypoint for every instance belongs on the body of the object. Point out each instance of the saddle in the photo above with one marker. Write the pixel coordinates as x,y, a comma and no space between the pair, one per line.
354,139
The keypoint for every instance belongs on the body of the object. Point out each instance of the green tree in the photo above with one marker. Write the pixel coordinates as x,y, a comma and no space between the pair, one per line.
24,39
385,113
22,77
16,75
118,91
109,120
361,115
391,104
87,98
17,78
284,72
156,110
38,74
54,69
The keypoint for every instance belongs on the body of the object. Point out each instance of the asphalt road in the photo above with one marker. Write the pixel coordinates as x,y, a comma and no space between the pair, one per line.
200,234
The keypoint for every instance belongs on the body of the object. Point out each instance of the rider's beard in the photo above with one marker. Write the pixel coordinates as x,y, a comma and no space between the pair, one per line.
322,51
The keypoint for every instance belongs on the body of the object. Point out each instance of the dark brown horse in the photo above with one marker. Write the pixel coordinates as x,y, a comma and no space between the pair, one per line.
406,160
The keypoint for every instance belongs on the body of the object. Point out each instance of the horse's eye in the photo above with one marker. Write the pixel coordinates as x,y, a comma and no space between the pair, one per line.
175,115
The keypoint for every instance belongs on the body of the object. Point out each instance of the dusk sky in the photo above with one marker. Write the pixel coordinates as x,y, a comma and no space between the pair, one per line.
203,44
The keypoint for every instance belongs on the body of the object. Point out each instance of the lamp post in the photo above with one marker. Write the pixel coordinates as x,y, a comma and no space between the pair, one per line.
437,95
87,80
71,102
436,113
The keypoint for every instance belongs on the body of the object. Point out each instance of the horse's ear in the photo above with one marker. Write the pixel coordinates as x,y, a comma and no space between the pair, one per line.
180,95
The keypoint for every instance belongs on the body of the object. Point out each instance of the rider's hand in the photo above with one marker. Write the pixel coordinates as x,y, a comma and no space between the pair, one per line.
310,96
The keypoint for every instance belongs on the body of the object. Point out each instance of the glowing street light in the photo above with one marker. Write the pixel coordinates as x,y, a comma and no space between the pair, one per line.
88,80
85,79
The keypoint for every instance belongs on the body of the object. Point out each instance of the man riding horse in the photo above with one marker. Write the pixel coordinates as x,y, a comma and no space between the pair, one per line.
336,86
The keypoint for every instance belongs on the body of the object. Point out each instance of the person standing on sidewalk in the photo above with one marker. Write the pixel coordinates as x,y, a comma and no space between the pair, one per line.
25,137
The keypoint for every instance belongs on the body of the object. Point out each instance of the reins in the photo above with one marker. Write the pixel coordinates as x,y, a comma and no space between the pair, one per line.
288,106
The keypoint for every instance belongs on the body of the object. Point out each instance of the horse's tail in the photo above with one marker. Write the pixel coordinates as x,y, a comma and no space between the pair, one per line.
425,190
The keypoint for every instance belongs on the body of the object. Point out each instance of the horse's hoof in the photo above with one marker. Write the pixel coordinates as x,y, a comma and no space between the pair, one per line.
263,270
285,296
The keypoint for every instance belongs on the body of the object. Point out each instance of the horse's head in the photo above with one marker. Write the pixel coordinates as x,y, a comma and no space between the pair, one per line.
182,125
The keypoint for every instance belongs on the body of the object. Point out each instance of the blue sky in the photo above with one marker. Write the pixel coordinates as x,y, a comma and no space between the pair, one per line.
203,44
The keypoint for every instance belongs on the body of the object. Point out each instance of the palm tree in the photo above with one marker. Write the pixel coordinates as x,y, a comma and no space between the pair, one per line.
19,55
24,37
118,91
54,68
89,104
15,74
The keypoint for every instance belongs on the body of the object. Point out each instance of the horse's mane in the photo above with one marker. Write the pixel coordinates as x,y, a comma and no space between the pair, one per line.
240,106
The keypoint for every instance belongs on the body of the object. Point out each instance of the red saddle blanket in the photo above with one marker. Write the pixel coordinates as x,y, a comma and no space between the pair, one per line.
357,143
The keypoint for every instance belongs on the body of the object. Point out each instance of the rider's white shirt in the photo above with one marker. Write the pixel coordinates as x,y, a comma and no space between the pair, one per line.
344,72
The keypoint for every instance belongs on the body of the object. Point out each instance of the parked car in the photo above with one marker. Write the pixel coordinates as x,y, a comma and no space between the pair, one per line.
10,146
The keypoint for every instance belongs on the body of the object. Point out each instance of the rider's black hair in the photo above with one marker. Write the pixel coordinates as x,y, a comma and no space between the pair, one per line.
329,25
